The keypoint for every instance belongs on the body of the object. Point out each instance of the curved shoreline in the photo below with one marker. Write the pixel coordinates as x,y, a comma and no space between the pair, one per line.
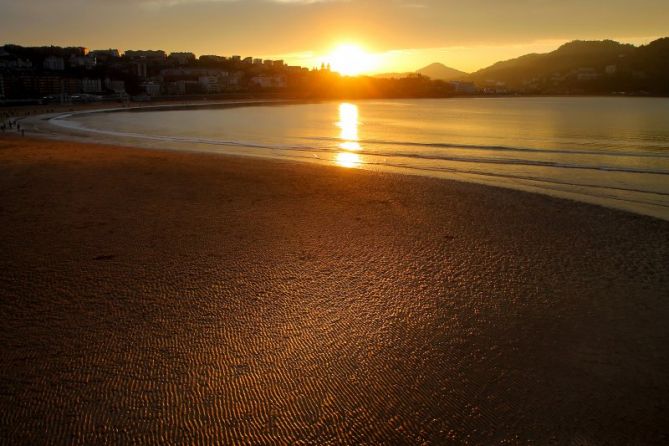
586,193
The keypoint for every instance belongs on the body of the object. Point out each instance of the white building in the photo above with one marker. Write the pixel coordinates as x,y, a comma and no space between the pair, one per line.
15,63
91,86
586,74
54,63
152,88
210,84
463,87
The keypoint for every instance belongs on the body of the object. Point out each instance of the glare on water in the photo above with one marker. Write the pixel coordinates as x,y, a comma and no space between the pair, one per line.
610,151
348,125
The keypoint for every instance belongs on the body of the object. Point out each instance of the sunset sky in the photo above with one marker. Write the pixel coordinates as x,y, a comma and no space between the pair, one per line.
403,35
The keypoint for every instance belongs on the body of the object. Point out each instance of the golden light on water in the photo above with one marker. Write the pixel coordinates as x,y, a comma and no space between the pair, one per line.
351,146
348,159
348,121
348,125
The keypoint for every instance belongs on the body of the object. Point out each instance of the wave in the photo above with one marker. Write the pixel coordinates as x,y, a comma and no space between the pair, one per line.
333,149
500,148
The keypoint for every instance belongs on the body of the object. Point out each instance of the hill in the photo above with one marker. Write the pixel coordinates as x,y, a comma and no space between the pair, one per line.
585,67
439,71
435,71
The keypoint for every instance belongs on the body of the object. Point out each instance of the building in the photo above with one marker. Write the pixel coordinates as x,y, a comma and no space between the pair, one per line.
296,69
463,87
611,70
556,78
278,63
14,63
105,54
115,86
153,55
185,73
89,61
248,60
268,81
236,78
586,74
54,63
152,88
236,58
213,59
175,88
182,58
140,69
2,87
210,84
47,85
91,86
257,61
181,87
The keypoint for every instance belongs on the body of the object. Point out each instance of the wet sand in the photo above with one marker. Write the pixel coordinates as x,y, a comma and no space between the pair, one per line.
165,297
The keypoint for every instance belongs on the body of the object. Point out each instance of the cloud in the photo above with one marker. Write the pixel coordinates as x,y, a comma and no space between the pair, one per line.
168,3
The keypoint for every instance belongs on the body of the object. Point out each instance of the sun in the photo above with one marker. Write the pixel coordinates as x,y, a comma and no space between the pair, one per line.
350,60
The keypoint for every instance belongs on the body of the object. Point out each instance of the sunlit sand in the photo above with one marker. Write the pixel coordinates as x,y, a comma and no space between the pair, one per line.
182,298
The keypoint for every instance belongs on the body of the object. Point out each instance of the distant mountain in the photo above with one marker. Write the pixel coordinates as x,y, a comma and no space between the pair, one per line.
439,71
584,67
435,71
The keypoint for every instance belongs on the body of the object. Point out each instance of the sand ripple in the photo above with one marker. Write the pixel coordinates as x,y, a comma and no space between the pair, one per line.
188,299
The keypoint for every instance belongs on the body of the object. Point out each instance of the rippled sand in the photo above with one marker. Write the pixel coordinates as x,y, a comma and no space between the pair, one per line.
158,297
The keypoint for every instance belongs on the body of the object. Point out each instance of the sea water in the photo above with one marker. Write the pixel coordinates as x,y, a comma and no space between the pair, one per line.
609,151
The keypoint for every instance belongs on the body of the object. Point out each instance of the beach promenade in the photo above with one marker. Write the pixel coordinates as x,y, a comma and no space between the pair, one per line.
156,297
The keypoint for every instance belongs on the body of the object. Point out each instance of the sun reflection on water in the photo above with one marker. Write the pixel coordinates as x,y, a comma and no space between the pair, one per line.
348,125
348,159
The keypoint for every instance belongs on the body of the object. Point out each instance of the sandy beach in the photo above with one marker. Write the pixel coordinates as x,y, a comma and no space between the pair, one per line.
158,297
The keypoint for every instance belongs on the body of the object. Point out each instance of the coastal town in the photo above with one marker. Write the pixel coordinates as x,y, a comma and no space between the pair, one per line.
75,74
52,74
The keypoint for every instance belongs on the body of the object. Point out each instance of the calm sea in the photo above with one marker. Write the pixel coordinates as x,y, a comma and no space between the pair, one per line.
609,151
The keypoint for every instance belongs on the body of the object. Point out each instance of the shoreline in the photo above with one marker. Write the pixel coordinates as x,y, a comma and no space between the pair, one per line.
39,126
164,296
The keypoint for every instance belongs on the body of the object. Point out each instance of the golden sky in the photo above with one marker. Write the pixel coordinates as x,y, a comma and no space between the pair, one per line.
402,35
